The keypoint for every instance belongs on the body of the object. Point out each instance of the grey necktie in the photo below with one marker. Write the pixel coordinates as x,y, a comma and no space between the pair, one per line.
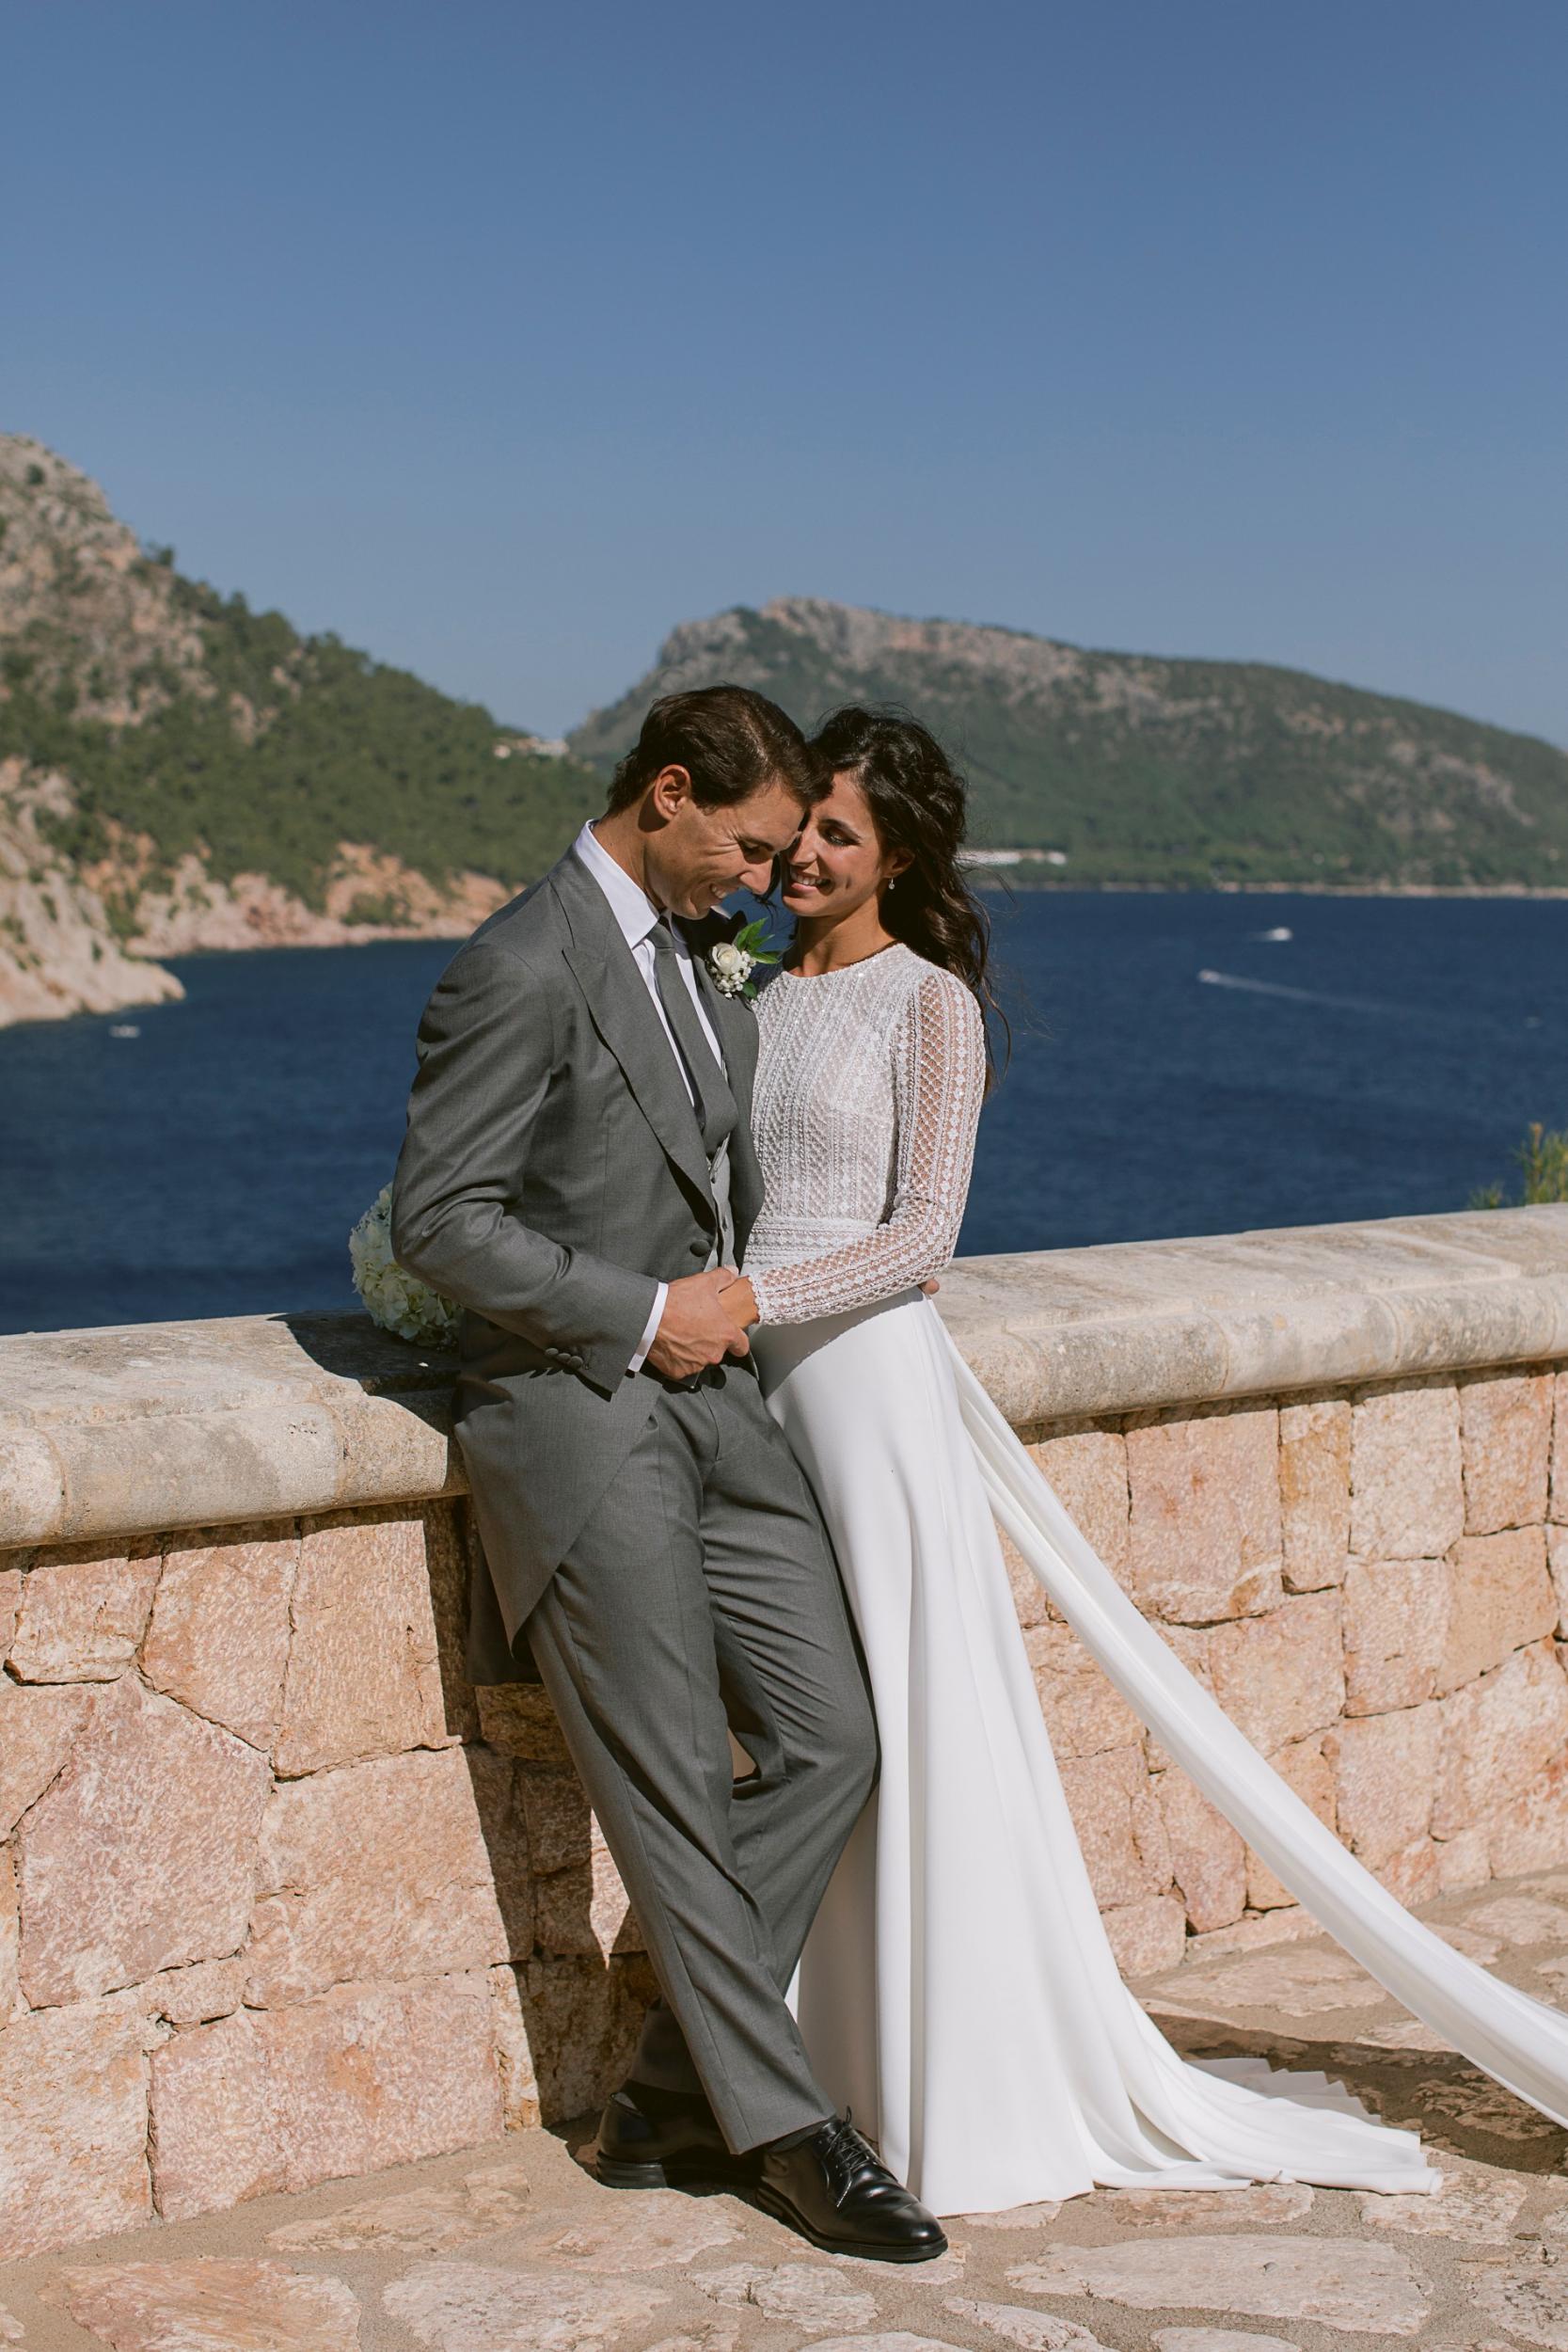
715,1104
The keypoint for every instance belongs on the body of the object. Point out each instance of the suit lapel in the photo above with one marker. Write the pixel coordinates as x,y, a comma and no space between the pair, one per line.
623,1013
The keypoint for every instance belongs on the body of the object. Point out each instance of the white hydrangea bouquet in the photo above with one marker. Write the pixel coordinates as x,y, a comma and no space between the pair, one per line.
397,1301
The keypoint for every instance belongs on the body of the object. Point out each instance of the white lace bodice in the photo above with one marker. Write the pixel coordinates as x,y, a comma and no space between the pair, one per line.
868,1090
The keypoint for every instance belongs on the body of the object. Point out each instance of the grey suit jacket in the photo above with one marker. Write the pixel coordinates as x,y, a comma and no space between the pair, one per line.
551,1176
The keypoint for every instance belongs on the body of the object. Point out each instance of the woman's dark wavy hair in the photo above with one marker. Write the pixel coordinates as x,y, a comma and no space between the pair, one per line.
917,801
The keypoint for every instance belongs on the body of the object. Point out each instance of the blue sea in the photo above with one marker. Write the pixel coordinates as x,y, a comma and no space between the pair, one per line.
1181,1064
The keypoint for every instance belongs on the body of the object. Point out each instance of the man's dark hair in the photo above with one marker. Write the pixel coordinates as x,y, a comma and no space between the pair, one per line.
730,741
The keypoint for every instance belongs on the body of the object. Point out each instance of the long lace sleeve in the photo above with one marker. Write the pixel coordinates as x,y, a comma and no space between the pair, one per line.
939,1084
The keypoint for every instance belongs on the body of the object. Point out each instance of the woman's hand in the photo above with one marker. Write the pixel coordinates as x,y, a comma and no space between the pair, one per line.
740,1299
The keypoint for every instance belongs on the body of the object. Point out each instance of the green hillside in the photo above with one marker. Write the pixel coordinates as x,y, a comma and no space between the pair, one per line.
1142,771
181,715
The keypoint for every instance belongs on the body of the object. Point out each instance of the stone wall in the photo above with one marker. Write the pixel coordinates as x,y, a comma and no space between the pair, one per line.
282,1898
1373,1584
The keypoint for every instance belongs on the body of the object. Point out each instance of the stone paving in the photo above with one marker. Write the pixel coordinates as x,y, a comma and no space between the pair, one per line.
513,2248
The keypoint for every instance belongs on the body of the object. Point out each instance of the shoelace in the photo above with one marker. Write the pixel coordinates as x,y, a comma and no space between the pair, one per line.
845,2153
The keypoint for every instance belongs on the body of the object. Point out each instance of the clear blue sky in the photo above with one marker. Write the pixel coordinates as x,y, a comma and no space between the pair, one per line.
499,338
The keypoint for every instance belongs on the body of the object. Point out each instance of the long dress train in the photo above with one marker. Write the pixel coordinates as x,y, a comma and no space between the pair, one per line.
958,1989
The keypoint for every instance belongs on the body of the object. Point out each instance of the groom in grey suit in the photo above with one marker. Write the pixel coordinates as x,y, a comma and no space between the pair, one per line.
579,1174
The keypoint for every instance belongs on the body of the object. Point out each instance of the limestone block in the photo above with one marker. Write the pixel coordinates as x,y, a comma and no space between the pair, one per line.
219,1636
1120,1825
1030,1602
74,2094
1146,1936
1505,1422
1207,1856
1255,1930
10,1601
38,1727
1385,1766
1190,1644
363,1677
82,1614
562,1830
1205,1524
1413,1875
1530,2301
1557,1563
450,2305
453,1554
519,2086
205,2305
585,1908
1030,2330
1500,1736
583,2020
142,1854
364,2076
1367,2289
421,2221
1084,1712
1559,1504
518,1719
1502,1598
1281,1675
1530,1831
1407,1492
194,1995
1395,1629
1266,2206
497,1783
661,2230
1314,1492
375,1871
10,1937
1462,1862
1305,1768
1086,1470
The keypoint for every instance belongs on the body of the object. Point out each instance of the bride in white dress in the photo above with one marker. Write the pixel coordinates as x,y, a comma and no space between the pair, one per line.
959,1991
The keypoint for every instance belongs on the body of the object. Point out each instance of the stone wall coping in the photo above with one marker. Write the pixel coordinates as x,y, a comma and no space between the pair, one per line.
149,1426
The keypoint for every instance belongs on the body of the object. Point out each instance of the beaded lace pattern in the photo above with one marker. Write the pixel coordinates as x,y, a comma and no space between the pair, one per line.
868,1090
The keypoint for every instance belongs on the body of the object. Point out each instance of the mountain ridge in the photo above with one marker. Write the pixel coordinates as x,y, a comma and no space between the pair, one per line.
1154,770
177,771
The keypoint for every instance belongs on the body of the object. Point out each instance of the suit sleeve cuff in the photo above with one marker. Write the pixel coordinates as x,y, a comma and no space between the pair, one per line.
650,1329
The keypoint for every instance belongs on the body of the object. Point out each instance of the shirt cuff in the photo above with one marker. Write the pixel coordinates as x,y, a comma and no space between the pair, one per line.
650,1329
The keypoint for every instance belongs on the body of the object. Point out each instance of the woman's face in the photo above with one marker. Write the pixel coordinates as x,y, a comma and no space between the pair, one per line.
837,860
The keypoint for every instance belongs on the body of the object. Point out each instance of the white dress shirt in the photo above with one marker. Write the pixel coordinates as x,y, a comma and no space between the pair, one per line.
636,916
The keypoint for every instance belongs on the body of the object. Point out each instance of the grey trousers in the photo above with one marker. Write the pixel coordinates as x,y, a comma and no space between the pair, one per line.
703,1597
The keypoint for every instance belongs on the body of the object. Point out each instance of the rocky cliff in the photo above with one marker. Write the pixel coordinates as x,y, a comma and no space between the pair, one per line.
178,772
1135,769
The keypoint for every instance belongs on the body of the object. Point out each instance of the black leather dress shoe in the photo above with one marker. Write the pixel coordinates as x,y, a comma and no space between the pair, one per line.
835,2192
659,2139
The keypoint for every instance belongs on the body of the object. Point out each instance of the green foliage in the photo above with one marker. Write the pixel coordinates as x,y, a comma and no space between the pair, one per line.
301,743
1185,774
1543,1162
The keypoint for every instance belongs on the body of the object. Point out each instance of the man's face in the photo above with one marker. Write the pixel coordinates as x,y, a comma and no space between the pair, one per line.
701,855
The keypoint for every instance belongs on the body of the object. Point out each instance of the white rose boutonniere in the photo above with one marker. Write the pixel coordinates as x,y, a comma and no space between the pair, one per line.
397,1301
732,963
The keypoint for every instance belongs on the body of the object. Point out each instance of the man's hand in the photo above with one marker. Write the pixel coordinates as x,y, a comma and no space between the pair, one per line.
741,1302
696,1329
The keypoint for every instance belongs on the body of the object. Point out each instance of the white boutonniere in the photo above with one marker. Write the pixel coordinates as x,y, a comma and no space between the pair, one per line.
732,963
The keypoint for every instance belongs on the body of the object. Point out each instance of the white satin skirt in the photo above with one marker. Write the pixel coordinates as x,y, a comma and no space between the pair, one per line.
957,1991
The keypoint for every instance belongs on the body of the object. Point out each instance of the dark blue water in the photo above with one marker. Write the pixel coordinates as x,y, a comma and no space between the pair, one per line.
1384,1061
